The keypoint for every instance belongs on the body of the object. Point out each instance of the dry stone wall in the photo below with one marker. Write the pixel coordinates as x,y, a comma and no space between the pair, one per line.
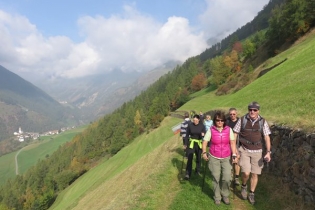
293,159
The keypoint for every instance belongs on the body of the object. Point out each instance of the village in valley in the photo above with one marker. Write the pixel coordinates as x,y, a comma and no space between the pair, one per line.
21,136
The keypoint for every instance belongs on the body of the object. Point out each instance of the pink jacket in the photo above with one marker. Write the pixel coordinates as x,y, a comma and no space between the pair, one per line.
220,142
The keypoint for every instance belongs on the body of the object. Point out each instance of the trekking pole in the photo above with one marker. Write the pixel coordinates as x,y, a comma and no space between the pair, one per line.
234,185
204,173
267,164
181,171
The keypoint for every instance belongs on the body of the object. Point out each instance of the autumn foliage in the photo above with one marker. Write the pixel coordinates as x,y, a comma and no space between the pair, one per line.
237,46
199,82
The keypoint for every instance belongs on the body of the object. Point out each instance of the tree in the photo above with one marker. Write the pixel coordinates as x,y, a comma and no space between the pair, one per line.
220,71
259,38
238,47
199,82
249,48
137,118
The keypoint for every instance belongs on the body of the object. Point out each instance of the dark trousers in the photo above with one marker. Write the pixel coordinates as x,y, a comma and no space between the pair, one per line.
190,155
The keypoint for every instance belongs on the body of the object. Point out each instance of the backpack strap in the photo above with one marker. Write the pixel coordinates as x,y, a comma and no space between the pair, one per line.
261,123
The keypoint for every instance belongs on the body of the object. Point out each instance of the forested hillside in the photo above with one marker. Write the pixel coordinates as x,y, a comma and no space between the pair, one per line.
38,188
24,105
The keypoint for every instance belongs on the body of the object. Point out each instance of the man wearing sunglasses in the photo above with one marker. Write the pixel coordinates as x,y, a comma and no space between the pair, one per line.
252,130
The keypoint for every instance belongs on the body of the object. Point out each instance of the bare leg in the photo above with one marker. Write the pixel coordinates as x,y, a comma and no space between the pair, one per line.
245,177
253,182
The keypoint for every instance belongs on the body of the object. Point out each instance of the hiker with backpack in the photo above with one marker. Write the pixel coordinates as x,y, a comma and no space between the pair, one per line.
193,144
183,126
252,129
222,146
231,122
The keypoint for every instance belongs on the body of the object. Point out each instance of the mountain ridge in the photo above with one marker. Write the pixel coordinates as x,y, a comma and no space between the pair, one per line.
101,94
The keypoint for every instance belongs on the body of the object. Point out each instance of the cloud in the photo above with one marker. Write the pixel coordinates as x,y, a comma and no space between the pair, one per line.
130,42
221,18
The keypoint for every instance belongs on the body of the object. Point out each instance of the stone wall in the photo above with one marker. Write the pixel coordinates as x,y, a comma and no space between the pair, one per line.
293,160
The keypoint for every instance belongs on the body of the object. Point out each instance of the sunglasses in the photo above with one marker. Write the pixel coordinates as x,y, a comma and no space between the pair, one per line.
219,120
253,110
232,114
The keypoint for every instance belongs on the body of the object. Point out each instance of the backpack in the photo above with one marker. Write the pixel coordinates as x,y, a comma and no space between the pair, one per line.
261,124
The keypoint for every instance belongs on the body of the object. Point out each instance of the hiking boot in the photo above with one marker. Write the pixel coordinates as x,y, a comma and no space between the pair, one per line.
244,192
186,177
226,200
251,198
236,182
217,202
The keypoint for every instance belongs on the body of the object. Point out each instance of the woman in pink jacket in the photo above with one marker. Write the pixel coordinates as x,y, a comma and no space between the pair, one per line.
221,148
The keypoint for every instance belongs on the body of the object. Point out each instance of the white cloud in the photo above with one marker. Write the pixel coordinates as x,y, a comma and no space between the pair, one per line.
130,42
223,17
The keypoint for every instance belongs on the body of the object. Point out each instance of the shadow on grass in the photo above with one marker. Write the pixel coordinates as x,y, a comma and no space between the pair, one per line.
202,180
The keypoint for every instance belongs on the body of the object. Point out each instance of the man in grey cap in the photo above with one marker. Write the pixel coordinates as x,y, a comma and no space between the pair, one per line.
252,129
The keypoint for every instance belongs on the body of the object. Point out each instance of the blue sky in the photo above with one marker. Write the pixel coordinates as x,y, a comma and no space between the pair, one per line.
60,17
77,38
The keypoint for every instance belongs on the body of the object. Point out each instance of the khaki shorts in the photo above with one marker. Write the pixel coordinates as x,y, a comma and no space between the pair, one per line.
251,161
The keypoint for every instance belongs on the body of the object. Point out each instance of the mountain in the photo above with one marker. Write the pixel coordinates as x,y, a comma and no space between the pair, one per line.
24,105
98,95
279,91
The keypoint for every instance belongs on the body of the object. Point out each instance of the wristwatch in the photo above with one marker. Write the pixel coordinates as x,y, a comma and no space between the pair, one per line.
269,151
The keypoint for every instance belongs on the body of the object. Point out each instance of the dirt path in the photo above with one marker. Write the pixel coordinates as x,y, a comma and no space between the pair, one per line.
238,203
16,160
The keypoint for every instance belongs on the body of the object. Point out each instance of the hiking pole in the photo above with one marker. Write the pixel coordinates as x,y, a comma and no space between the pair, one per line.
181,171
234,185
204,173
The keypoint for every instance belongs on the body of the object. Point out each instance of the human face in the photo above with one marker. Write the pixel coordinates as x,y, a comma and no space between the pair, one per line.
196,121
253,113
233,115
219,123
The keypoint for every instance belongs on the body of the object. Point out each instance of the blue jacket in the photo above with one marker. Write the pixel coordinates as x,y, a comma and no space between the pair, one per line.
208,124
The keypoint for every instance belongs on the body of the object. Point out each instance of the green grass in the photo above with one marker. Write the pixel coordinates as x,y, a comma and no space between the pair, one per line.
147,173
7,167
100,181
30,154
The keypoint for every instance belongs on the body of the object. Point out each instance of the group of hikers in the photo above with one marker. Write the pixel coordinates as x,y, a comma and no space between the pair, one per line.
230,141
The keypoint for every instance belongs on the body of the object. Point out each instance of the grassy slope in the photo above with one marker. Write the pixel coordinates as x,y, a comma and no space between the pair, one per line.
7,167
32,153
145,174
285,93
29,156
129,172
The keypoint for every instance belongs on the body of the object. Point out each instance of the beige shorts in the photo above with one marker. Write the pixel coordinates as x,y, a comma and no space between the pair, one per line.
251,161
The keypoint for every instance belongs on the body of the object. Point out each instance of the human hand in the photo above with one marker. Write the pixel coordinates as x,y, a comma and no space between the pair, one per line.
267,157
234,158
205,156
